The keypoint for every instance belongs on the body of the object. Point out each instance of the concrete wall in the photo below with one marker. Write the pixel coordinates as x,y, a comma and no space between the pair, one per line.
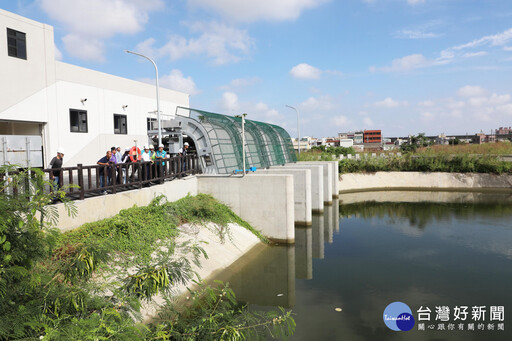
334,172
266,201
417,180
328,178
302,192
317,183
105,206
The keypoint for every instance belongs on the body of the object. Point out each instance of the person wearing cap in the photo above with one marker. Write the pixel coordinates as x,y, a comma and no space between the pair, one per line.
56,165
160,156
146,157
183,152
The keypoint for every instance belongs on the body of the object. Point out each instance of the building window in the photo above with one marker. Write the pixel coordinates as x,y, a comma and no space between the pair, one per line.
78,121
16,44
120,124
152,124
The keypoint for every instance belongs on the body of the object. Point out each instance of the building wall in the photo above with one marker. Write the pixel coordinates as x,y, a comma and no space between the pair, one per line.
42,90
372,136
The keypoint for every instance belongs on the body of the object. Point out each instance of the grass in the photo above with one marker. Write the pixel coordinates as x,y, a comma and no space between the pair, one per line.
500,148
137,229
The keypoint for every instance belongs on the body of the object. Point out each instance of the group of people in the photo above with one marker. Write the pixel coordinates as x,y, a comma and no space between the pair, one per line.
154,163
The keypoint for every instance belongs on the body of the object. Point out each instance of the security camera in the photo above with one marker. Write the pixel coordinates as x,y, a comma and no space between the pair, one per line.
125,106
83,100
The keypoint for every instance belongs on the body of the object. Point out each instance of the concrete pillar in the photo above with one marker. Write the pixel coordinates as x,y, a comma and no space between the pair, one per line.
302,192
266,201
328,172
317,183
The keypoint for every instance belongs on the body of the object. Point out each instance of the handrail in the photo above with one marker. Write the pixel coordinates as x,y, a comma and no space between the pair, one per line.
121,177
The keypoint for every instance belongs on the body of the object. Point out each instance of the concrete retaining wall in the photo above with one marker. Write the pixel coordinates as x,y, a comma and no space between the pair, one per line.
317,183
302,192
417,180
266,201
335,174
106,206
328,178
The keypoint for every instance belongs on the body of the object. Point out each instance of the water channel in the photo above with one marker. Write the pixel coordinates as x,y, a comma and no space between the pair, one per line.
429,250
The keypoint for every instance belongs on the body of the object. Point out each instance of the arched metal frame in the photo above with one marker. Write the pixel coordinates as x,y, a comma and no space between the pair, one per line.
266,144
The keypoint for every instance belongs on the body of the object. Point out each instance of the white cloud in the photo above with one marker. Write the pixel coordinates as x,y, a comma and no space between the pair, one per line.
427,116
415,2
240,83
471,91
220,42
91,22
176,81
58,53
427,103
305,71
389,103
499,39
407,63
250,11
84,48
368,121
230,101
340,121
475,54
412,34
448,55
318,103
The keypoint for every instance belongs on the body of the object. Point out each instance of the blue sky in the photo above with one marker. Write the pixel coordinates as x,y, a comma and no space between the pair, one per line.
403,66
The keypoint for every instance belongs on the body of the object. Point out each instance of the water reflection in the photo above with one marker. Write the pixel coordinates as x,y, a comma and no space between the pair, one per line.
266,280
304,253
421,252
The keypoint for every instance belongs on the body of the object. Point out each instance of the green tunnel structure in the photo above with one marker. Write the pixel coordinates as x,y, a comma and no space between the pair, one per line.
218,141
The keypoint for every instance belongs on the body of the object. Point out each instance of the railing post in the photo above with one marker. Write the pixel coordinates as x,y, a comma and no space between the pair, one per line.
114,177
81,181
139,171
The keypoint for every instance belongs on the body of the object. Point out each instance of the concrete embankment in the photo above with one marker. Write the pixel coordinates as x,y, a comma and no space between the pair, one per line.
222,253
354,182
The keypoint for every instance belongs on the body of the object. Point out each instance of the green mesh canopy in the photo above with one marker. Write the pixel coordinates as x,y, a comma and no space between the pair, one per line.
266,144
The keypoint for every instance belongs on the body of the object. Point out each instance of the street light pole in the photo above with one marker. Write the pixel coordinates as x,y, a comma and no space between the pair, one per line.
157,95
243,139
298,126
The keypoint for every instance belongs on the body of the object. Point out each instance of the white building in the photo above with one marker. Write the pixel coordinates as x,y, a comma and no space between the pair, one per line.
81,110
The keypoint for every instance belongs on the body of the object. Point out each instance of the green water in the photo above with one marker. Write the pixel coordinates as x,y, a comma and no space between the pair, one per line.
452,250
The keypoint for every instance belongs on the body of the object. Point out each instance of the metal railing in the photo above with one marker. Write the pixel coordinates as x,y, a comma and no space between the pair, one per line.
101,179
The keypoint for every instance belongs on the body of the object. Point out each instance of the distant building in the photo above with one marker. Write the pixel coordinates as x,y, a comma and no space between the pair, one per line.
347,143
504,131
372,136
358,137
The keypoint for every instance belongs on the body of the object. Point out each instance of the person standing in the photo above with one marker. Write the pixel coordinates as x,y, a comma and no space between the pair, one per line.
104,175
56,165
118,154
183,152
146,159
125,160
113,162
160,157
